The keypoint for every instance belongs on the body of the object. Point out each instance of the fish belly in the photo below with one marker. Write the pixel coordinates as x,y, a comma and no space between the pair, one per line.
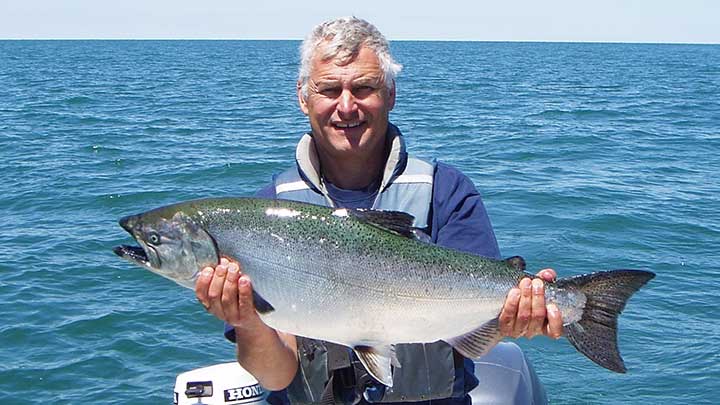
355,300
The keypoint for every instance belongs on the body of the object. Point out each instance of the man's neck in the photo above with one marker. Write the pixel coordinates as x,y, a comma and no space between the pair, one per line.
354,174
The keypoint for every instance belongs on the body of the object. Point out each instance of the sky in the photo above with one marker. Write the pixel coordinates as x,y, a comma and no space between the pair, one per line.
657,21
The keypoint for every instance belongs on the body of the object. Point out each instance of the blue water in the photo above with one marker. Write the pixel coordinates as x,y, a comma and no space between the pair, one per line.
589,157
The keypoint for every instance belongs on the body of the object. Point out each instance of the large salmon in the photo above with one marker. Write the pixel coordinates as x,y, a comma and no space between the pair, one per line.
364,279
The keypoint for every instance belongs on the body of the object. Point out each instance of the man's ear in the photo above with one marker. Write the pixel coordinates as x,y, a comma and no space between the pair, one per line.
301,99
391,96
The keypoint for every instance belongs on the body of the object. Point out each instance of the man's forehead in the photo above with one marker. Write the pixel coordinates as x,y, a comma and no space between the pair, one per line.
364,64
337,78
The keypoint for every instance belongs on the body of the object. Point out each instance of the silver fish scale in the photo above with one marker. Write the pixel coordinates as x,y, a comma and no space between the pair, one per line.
336,275
322,271
570,302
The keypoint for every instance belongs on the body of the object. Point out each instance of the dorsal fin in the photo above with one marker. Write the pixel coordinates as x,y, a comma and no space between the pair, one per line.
397,222
516,262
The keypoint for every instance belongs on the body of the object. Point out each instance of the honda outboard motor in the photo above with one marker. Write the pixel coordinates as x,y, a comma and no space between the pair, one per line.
226,383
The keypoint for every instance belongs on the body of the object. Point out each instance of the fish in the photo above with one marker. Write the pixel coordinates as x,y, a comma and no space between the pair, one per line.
367,279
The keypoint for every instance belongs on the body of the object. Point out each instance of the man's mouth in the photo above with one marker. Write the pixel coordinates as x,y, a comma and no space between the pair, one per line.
347,125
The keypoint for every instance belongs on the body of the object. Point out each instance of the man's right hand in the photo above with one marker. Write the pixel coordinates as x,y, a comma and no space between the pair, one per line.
227,293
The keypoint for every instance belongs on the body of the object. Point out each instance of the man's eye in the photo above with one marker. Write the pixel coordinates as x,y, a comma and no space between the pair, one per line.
330,92
364,90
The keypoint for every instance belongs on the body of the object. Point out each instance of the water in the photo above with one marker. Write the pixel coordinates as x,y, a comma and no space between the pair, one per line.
589,156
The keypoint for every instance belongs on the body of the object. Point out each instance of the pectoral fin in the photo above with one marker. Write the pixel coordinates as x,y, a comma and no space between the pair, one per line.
378,362
262,306
479,341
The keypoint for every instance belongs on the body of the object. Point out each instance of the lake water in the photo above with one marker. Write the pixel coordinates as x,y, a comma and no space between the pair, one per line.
588,157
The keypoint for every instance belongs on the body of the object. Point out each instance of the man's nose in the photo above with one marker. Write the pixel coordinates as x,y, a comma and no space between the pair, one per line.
347,103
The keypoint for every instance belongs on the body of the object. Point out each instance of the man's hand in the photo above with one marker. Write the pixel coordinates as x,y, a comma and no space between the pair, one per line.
525,312
227,293
268,355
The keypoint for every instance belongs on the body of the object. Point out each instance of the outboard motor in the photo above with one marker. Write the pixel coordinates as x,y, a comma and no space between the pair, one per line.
226,383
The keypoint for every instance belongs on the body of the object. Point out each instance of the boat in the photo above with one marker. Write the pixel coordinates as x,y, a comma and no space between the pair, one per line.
505,376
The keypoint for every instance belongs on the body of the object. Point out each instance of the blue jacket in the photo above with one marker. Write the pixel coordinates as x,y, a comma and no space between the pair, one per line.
455,218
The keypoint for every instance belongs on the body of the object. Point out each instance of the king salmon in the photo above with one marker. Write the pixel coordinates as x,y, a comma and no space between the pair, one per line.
364,279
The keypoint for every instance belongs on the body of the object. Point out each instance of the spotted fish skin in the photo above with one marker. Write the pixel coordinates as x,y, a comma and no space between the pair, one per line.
362,279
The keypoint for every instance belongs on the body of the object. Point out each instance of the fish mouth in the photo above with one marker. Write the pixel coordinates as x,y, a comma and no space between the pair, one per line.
133,253
143,254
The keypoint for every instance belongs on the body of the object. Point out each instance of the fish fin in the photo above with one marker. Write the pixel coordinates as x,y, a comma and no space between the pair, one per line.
262,306
378,362
479,341
400,223
328,395
595,334
516,262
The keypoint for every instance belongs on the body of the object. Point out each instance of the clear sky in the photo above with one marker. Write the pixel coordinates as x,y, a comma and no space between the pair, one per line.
685,21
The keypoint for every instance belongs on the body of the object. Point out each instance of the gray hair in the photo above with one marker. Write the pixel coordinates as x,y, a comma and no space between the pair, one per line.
345,36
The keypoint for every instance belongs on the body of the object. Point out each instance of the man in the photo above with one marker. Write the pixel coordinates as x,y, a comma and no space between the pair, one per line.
354,158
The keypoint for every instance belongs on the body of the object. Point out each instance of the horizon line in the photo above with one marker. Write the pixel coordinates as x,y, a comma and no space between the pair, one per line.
389,40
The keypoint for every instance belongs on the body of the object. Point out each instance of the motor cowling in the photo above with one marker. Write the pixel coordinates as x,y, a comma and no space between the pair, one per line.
226,383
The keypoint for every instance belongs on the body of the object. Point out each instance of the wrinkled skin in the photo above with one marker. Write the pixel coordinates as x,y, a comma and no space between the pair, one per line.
348,106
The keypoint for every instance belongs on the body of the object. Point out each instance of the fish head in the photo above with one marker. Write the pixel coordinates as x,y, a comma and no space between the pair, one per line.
171,244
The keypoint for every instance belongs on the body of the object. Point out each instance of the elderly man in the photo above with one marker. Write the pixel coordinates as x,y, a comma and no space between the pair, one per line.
354,158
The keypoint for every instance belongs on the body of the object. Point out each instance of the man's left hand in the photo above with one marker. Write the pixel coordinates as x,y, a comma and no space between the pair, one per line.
525,312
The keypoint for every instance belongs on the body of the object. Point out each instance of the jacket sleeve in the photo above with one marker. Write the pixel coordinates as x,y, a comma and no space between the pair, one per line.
459,219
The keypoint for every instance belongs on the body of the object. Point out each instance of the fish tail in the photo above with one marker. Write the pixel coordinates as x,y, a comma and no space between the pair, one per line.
595,334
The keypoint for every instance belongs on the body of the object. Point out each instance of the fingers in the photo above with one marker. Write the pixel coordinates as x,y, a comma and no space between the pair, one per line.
227,293
515,316
522,321
246,307
554,328
526,313
509,312
537,309
201,286
215,290
229,297
548,275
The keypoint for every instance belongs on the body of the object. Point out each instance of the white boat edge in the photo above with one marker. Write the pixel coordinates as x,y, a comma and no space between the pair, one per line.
505,377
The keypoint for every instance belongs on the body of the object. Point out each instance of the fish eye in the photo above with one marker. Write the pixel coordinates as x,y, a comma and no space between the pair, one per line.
154,238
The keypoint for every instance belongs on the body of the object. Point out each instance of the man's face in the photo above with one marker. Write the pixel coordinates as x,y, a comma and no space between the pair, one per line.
348,106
